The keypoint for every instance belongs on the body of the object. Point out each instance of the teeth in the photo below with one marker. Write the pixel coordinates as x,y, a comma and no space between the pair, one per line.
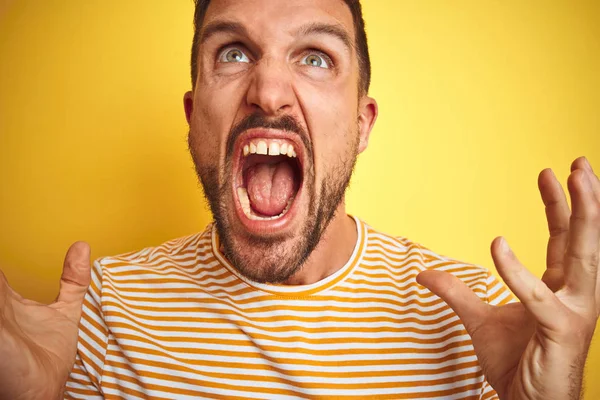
244,201
274,149
261,147
270,147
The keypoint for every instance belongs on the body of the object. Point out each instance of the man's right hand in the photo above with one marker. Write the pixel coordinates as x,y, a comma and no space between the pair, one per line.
38,342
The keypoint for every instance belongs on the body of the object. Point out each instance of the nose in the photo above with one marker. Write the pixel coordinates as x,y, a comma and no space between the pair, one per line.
271,88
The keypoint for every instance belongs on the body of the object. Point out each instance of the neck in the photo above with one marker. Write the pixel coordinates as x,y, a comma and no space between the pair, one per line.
333,251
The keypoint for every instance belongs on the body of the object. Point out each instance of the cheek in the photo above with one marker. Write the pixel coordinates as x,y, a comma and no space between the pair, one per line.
331,116
205,145
212,122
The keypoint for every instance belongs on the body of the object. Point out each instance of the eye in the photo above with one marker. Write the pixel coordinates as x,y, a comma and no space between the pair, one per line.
233,55
315,60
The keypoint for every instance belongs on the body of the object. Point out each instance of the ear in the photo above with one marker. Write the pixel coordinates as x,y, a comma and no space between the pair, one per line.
366,120
188,105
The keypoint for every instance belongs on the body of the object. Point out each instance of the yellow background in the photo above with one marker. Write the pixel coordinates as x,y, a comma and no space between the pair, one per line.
476,97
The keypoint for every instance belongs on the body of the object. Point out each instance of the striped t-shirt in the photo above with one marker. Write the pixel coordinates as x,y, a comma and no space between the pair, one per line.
177,321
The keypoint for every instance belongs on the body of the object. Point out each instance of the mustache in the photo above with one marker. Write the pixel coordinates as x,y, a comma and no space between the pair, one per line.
286,122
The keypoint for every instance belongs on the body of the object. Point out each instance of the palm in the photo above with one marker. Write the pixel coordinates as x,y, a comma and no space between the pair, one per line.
511,348
38,342
537,348
501,340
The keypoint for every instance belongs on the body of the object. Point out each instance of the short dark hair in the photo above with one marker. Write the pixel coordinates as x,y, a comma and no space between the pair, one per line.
362,48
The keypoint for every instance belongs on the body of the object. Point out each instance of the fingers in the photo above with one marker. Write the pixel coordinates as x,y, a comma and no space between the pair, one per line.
465,303
76,277
539,300
554,278
557,215
584,164
582,253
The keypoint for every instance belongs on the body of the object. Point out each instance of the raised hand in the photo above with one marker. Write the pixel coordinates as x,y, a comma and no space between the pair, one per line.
38,342
536,349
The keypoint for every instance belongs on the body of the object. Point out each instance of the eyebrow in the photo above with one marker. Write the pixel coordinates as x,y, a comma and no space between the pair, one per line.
334,30
317,28
213,28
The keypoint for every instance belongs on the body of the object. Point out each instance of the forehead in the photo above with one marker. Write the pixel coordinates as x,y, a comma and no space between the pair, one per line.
274,17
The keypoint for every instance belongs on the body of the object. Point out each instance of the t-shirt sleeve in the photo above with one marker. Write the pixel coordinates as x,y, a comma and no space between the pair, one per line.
498,293
86,377
488,392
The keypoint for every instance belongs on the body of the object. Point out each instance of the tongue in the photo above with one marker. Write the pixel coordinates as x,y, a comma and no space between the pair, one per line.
270,187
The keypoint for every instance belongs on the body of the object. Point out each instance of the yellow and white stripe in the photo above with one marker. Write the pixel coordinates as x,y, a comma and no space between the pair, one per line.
178,322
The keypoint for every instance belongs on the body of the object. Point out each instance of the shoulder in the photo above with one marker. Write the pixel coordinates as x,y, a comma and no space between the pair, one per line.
410,258
400,249
179,253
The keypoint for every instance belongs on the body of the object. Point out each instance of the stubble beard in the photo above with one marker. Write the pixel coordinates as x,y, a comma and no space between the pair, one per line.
274,259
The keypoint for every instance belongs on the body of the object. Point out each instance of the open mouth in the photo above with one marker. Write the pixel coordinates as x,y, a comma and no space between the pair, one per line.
269,177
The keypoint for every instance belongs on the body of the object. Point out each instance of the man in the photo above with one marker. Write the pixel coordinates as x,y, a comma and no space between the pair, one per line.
286,296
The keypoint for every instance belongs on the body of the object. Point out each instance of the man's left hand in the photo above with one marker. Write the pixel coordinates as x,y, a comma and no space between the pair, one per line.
536,349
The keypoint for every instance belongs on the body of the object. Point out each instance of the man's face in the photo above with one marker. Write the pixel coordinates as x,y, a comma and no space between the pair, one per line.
276,123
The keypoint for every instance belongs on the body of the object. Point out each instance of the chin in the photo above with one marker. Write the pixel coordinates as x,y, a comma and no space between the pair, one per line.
266,233
267,211
265,261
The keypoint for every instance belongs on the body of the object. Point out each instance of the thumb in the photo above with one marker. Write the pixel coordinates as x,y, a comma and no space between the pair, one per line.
465,303
76,276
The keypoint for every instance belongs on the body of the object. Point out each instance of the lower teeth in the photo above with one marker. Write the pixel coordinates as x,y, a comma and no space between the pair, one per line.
245,202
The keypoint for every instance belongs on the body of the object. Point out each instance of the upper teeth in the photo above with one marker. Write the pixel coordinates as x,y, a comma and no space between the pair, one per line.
270,147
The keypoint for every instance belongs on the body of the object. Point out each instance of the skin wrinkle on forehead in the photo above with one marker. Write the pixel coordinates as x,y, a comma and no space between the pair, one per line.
354,30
